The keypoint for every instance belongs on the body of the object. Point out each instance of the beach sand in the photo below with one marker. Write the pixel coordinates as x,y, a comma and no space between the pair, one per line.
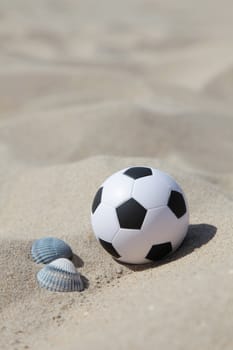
87,89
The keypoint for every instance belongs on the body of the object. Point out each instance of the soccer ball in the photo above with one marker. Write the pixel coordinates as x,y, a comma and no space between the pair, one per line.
139,215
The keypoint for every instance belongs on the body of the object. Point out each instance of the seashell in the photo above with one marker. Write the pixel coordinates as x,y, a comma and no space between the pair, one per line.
47,249
60,276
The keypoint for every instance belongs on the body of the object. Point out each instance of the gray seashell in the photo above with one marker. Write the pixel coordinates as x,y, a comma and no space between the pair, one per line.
60,276
47,249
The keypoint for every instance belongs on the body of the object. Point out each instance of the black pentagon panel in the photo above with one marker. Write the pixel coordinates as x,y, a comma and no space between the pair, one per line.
97,200
137,172
109,248
177,204
131,214
159,251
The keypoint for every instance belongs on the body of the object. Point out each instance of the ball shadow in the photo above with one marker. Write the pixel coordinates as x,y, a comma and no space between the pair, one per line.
197,236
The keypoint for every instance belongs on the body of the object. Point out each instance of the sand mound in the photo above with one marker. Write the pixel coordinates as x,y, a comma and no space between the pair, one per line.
56,201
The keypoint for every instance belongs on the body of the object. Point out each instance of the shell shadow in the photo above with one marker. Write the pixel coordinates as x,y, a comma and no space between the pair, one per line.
77,261
86,282
197,236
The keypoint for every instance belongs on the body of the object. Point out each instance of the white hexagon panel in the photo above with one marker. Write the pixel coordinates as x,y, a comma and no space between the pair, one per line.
122,243
161,226
105,222
117,189
151,191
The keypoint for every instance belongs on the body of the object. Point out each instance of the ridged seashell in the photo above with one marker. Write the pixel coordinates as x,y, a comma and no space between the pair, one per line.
47,249
60,276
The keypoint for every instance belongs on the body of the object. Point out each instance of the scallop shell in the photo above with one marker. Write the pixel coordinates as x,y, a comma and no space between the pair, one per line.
60,276
47,249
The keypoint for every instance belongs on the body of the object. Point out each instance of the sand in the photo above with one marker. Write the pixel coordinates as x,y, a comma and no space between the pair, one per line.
87,89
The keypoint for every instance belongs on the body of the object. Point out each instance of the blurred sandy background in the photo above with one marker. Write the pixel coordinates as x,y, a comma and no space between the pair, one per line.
86,88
